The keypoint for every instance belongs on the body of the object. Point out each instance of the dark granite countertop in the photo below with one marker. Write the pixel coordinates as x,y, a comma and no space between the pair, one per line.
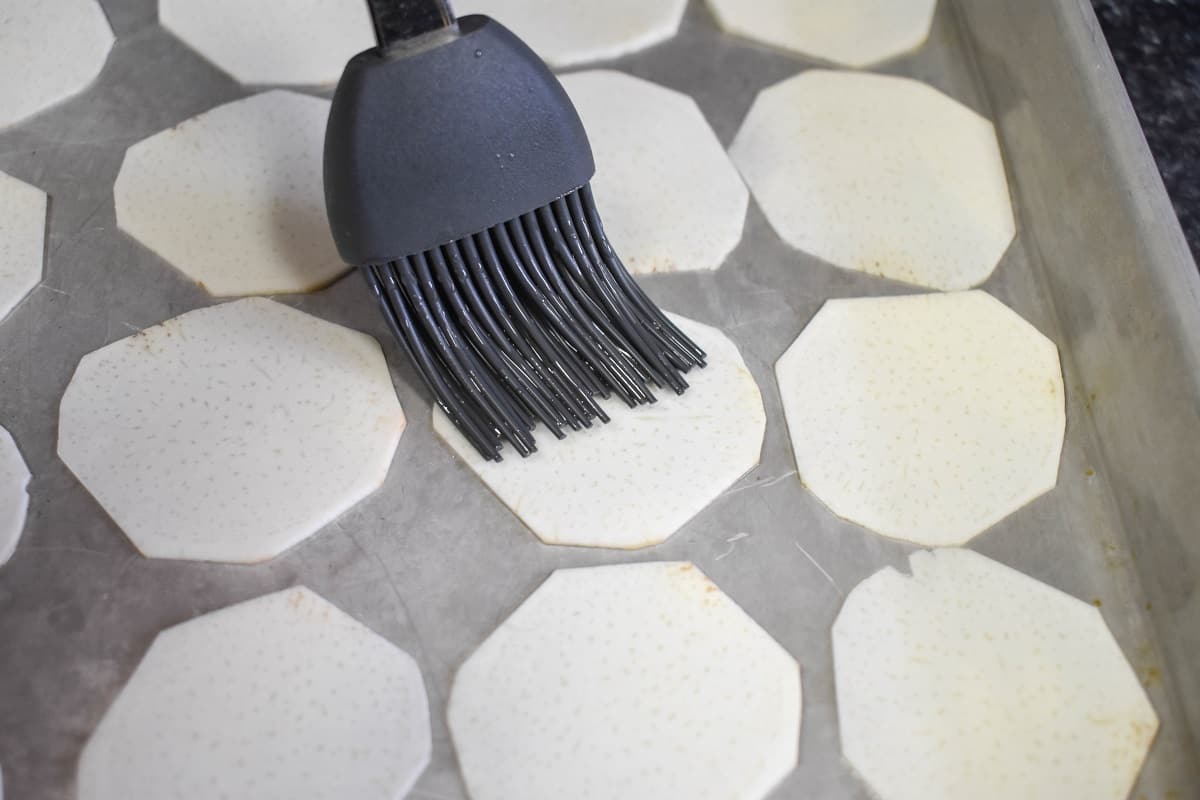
1156,44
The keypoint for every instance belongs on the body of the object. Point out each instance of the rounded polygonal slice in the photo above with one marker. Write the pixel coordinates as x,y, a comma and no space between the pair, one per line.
234,198
635,481
48,52
856,33
22,240
969,679
879,174
639,681
927,417
569,32
281,41
233,432
671,200
14,495
282,696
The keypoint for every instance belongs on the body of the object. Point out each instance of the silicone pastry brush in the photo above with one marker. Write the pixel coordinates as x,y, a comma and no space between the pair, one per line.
456,180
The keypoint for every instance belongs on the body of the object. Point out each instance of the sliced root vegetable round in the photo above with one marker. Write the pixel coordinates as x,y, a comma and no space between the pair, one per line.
633,681
233,432
569,32
234,198
281,41
48,53
926,417
22,240
856,33
969,679
671,200
635,481
879,174
282,696
14,495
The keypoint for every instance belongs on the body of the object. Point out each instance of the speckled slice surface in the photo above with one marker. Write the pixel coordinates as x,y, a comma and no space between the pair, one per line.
924,417
22,241
233,432
284,697
672,200
234,198
14,495
636,681
48,53
879,174
280,42
635,481
570,32
856,33
970,679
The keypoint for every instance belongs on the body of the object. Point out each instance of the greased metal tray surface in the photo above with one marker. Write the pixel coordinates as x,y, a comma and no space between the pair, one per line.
433,562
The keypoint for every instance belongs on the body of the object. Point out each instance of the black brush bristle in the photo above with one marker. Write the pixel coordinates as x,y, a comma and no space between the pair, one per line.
531,321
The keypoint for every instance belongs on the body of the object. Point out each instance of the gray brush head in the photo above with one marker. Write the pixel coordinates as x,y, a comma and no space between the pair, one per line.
443,136
456,178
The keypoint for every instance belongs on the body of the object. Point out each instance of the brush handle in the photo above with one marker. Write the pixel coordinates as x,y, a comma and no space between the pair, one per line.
398,20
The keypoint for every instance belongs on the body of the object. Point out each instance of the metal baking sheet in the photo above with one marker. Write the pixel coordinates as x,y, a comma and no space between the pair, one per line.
433,562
